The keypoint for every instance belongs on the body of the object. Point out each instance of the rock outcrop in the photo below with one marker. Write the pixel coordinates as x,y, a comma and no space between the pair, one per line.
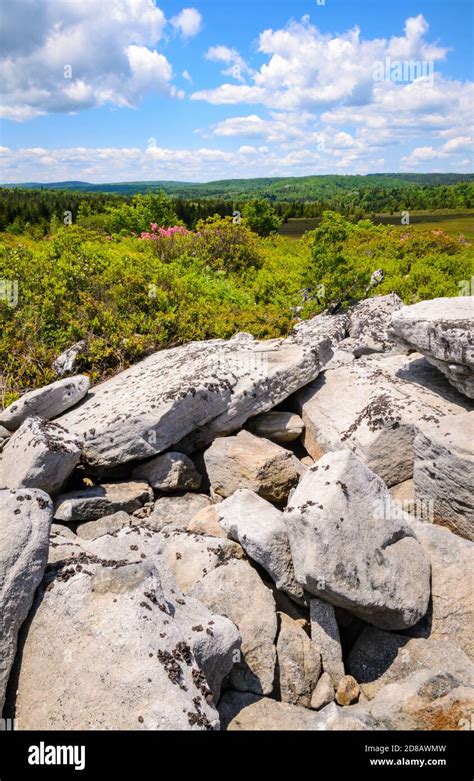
443,330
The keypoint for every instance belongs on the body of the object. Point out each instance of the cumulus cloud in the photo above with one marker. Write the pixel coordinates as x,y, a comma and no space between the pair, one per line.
66,55
188,22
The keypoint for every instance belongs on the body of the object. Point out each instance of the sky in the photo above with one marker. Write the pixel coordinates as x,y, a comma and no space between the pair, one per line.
127,90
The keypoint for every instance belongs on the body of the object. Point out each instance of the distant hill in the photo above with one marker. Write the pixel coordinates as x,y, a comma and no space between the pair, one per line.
306,188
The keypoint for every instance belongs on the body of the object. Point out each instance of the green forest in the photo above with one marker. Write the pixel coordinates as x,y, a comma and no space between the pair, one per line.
131,275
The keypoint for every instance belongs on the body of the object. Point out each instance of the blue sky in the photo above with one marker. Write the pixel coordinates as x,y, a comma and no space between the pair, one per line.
136,89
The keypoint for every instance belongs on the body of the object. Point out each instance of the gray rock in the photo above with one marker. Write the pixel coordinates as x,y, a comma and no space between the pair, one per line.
236,591
451,613
277,426
299,663
368,323
90,530
353,547
202,390
379,658
47,402
323,694
90,504
105,650
176,511
444,471
192,556
380,400
214,640
325,636
442,329
40,454
169,472
25,519
249,712
246,461
261,530
66,362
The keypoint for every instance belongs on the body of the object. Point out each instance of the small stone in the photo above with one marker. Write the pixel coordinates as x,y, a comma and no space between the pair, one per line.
347,691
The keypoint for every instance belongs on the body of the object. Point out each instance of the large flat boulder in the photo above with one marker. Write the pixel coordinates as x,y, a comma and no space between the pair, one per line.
444,471
372,406
25,520
251,462
204,389
353,547
443,330
40,454
47,402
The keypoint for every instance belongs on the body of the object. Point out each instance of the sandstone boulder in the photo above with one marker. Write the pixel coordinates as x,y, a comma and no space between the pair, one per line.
276,426
325,637
443,330
203,389
246,461
353,547
299,663
444,471
236,591
380,400
40,454
47,402
168,473
25,519
89,504
176,511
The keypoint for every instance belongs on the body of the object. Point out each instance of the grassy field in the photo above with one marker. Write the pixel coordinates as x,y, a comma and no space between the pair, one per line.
453,223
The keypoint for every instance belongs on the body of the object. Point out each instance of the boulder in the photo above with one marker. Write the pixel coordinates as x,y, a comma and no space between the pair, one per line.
380,400
90,504
353,547
246,461
176,511
261,530
425,700
192,556
451,613
323,693
40,454
25,519
443,330
325,637
196,391
206,521
214,640
249,712
47,402
277,426
105,650
109,524
236,591
379,658
444,471
168,473
298,663
368,323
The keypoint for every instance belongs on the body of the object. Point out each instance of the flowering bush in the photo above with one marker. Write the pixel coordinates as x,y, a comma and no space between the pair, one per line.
164,233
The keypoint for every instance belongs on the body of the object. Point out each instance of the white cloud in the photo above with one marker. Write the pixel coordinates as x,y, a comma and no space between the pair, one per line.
67,55
188,22
237,67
